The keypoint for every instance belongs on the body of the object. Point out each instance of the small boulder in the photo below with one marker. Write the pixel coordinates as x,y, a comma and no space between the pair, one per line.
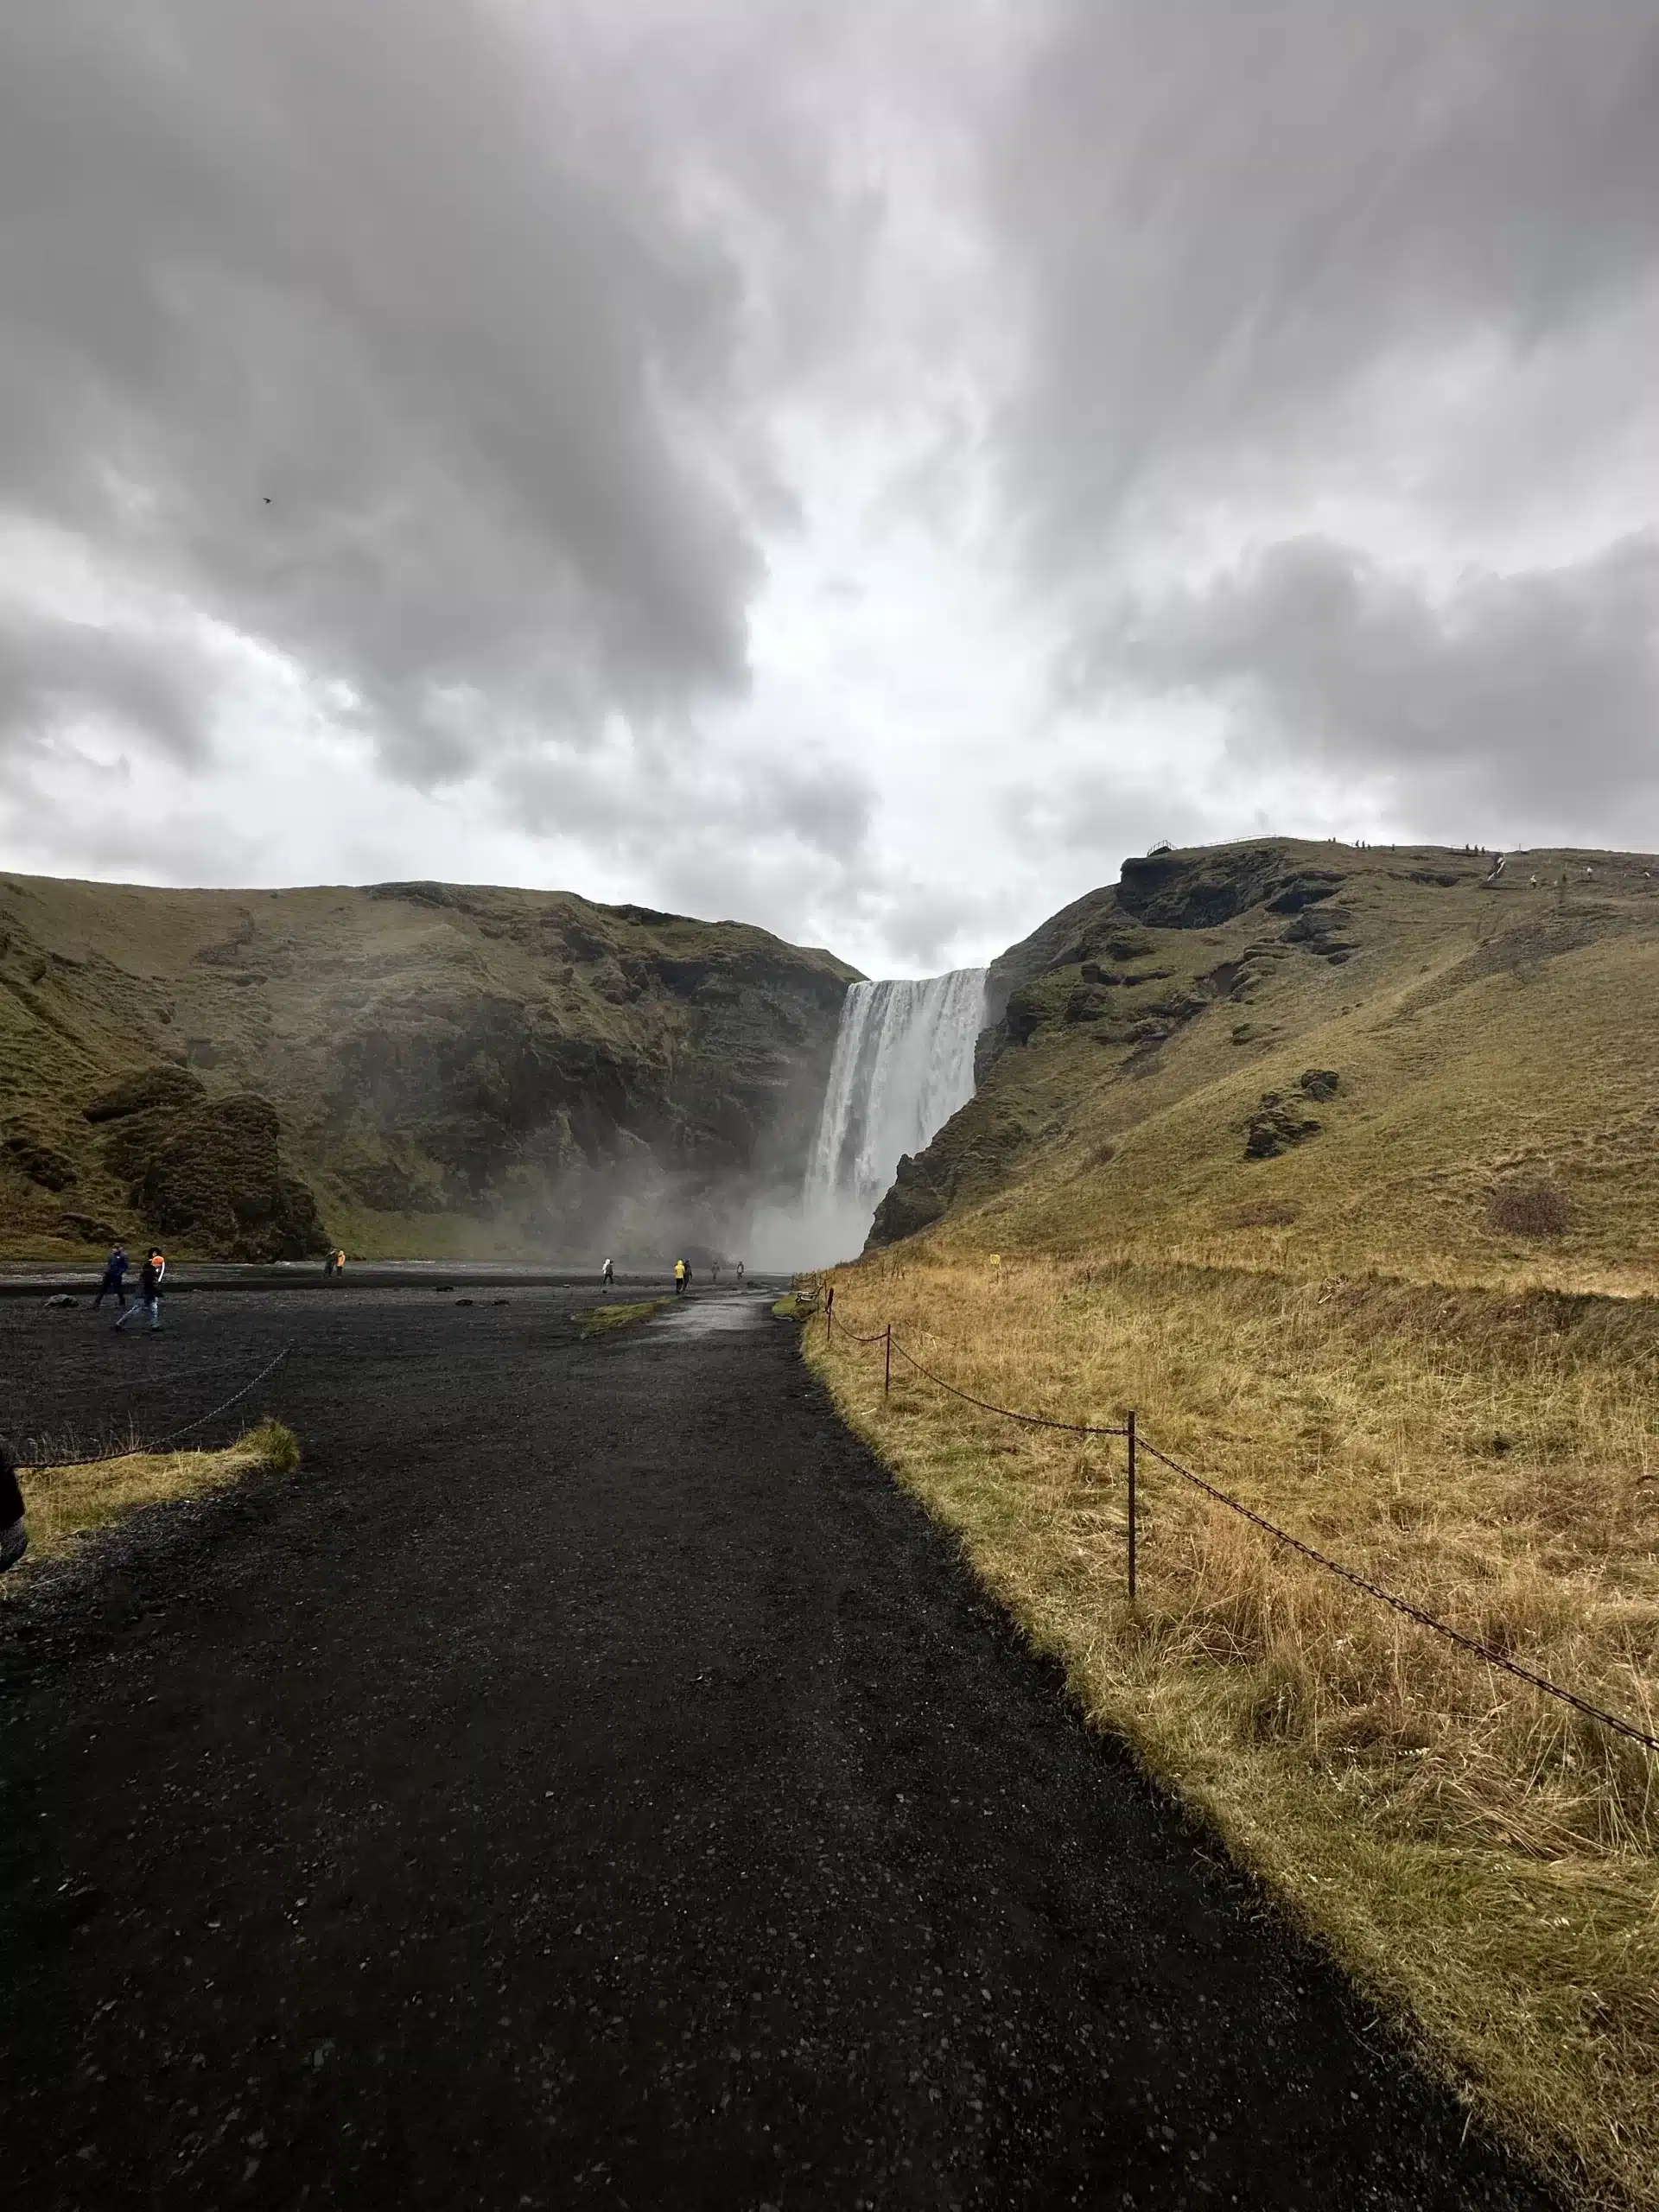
1276,1126
62,1298
1320,1083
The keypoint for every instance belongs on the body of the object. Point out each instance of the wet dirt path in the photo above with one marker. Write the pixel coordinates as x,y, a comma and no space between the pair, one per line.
591,1781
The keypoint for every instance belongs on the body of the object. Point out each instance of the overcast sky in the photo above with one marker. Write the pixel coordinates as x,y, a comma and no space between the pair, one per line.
860,467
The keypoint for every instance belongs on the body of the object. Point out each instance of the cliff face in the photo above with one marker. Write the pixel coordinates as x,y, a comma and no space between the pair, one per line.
411,1067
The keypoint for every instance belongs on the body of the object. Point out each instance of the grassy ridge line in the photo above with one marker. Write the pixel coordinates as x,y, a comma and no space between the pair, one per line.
65,1504
1481,1859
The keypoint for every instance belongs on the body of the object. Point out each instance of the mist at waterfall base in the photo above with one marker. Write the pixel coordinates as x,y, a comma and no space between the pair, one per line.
904,1064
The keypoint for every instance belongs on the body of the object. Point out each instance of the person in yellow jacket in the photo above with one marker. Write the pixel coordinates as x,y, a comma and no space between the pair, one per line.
679,1277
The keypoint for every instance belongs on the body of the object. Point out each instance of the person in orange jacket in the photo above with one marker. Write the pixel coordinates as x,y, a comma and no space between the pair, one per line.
149,1301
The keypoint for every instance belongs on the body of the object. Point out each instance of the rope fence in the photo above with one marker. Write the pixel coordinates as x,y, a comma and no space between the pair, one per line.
1138,1444
162,1443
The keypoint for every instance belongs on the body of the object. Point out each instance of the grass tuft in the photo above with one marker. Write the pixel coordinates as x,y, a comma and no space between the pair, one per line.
64,1503
600,1320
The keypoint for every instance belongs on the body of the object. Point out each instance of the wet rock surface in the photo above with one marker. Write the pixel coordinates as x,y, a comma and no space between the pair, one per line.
590,1781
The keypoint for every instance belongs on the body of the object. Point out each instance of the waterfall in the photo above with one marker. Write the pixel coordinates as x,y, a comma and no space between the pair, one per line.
904,1062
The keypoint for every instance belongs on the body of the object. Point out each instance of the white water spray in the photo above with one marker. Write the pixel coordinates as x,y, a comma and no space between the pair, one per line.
904,1064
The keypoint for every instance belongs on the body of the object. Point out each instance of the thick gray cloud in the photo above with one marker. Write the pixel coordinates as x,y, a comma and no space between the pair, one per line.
1244,235
365,329
1534,695
864,465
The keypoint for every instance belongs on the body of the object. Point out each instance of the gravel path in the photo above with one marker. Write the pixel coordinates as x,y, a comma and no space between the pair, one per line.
591,1782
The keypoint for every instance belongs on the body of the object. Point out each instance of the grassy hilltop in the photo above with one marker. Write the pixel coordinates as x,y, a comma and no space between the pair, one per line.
1338,1165
408,1068
1494,1045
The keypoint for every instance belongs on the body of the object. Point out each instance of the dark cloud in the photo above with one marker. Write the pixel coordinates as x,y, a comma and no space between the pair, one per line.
1534,694
1244,239
366,330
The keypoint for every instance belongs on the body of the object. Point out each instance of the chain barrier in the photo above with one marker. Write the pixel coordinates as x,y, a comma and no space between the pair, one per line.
1487,1652
1032,1420
1007,1412
160,1443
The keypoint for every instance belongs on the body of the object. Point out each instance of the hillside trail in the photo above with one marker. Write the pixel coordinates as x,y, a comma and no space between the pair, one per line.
591,1781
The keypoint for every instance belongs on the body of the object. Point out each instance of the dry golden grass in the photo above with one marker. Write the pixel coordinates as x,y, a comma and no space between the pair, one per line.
1482,1857
63,1502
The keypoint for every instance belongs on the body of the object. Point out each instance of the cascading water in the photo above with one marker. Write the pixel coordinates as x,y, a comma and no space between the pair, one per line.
904,1062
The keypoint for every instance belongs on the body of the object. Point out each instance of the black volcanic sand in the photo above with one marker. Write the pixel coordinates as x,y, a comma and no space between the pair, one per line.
591,1781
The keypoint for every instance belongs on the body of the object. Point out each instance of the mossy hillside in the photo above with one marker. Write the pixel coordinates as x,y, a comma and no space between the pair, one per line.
441,1068
1487,1039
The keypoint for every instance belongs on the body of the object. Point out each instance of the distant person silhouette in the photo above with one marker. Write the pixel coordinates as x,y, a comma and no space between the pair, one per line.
608,1275
680,1271
115,1279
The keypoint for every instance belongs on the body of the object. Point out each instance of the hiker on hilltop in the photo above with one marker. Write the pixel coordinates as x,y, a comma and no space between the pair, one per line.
608,1275
148,1299
680,1273
14,1525
115,1279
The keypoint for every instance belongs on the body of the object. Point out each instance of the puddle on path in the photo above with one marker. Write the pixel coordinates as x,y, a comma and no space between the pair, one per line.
717,1313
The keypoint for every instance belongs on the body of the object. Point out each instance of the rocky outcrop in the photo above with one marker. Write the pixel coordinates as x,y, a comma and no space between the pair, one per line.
149,1091
1276,1126
913,1202
212,1176
1176,891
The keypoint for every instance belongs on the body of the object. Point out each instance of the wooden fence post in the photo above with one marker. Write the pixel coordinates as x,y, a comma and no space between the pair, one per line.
1132,1530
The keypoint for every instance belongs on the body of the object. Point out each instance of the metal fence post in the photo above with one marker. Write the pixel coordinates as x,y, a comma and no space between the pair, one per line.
887,1380
1131,1436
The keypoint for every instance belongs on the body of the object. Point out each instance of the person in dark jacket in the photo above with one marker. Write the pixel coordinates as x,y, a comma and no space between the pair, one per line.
148,1299
115,1279
14,1525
